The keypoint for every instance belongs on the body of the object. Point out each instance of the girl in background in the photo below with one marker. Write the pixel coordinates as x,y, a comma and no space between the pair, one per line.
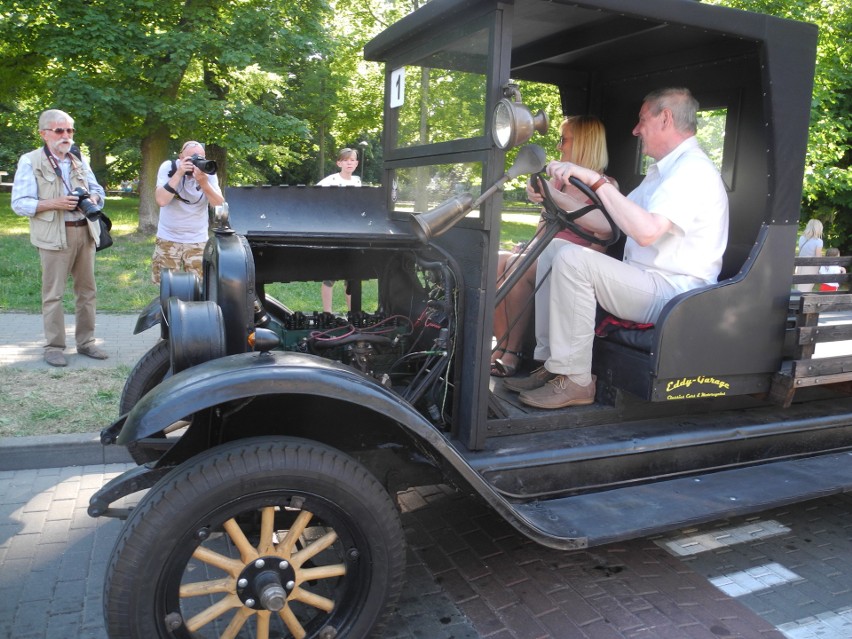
810,245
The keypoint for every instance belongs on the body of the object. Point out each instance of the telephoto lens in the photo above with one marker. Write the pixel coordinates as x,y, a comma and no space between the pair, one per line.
203,164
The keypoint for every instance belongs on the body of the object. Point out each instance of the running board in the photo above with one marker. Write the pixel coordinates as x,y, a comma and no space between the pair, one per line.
604,517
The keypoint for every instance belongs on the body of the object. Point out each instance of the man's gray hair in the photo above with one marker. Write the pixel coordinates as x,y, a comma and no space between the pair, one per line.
680,102
190,143
52,115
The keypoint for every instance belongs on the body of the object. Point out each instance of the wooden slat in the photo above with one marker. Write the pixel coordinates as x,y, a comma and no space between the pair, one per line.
821,380
782,389
822,367
810,303
841,260
839,278
814,278
822,334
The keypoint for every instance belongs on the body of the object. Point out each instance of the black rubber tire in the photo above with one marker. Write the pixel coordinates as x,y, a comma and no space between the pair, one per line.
150,370
265,487
153,367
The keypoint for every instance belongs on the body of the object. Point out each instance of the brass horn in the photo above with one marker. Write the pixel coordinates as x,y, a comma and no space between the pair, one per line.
440,219
530,159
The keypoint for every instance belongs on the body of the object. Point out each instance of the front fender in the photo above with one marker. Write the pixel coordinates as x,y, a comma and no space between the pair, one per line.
150,316
253,374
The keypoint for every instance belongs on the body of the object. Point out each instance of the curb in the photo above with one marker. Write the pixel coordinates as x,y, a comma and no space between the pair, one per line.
58,451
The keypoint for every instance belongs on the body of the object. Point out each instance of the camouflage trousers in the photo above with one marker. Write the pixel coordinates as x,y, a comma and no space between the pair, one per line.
176,256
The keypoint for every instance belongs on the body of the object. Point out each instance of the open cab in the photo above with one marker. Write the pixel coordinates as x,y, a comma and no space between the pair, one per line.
688,423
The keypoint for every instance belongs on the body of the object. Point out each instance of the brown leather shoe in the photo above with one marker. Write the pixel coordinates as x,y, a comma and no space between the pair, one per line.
55,358
538,378
92,351
560,392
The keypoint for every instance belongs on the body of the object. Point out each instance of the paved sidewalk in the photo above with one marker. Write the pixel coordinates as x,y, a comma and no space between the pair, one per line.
54,557
469,575
22,341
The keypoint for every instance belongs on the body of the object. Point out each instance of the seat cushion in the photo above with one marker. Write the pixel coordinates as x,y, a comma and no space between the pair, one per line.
633,334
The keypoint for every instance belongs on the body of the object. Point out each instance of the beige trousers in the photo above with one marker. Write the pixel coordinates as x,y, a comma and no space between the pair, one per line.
579,280
78,261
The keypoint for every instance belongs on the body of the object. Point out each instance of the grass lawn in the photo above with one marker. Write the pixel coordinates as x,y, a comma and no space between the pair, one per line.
122,271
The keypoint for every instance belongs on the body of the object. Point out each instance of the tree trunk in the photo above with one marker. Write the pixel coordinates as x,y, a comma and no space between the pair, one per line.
97,161
219,155
155,149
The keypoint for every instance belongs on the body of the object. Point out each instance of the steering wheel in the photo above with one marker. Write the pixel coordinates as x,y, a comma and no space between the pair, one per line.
567,219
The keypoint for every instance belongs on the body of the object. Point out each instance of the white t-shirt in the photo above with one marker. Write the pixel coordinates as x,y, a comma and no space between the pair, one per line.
686,188
335,180
181,221
831,269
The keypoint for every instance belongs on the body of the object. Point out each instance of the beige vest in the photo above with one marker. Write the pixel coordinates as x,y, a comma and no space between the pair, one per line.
47,228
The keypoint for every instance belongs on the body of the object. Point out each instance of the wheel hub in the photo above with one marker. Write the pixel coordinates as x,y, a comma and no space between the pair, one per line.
265,583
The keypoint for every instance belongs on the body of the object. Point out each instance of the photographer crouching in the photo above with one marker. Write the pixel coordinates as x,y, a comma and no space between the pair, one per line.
186,187
49,187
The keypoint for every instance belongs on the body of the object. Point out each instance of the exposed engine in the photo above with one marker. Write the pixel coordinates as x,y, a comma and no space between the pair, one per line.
406,345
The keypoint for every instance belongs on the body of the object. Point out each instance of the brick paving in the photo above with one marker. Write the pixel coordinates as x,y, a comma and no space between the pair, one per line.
512,588
53,560
469,574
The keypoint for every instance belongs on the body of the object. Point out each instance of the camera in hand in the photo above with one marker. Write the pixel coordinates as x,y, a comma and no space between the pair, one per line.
84,202
203,164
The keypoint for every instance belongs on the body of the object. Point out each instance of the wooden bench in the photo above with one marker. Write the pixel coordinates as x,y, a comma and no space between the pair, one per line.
801,369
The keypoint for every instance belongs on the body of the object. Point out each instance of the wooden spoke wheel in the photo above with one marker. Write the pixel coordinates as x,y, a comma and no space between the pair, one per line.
258,538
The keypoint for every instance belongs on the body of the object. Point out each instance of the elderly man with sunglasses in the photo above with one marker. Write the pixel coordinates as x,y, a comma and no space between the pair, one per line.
184,193
65,240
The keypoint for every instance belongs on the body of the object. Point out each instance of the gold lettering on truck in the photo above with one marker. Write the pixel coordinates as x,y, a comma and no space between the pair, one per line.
719,387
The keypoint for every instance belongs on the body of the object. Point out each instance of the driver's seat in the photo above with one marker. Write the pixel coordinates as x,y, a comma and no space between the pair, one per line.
721,340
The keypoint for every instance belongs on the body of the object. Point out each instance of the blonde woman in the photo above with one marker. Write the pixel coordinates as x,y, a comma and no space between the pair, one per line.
582,141
810,245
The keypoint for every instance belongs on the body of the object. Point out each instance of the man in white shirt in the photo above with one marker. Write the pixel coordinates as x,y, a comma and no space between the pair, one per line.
676,223
184,192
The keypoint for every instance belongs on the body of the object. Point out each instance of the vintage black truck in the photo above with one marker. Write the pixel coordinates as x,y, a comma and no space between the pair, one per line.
271,440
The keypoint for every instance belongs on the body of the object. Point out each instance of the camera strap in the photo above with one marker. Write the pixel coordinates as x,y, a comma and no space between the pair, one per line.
55,164
182,186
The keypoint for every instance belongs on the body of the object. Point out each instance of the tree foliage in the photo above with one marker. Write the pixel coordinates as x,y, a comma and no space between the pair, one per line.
227,73
276,87
828,176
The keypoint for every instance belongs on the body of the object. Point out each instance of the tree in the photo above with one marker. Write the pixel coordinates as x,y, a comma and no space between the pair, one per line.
357,112
828,176
162,73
